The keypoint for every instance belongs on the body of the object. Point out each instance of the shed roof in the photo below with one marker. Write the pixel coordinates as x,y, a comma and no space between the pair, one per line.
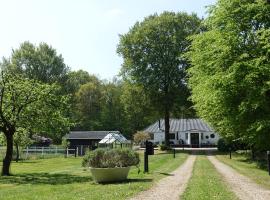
179,125
94,135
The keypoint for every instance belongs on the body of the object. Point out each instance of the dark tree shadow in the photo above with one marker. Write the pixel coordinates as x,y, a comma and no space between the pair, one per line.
166,174
44,178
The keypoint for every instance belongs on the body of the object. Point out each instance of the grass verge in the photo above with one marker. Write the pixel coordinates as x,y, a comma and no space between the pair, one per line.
206,183
64,178
245,166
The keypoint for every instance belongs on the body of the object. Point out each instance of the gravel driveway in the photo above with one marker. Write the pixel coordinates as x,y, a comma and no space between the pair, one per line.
172,186
243,187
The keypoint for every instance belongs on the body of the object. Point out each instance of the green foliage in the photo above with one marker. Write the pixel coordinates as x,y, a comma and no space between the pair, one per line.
110,158
164,147
38,62
222,145
230,71
65,143
153,58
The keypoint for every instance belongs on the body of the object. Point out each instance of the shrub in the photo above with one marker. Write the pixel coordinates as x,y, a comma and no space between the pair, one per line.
141,137
223,145
163,147
110,158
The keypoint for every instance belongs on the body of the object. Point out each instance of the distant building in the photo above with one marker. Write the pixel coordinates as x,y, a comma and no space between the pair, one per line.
84,140
188,132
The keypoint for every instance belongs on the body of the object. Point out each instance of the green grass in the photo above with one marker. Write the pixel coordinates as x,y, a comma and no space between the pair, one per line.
206,183
245,166
64,178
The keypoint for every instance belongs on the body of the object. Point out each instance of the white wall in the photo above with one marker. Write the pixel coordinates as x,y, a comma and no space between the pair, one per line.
159,137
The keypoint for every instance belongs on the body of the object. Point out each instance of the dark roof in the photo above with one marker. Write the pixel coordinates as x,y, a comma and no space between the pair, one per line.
177,125
94,135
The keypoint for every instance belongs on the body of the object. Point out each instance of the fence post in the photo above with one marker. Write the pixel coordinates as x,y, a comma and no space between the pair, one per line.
67,152
81,150
56,150
174,153
268,159
27,152
230,153
77,151
42,151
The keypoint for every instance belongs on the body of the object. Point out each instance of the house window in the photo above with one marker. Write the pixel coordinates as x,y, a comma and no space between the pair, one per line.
172,136
202,136
186,136
151,136
207,137
212,135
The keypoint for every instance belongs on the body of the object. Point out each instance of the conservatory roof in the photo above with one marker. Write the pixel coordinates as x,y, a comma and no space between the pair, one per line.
112,138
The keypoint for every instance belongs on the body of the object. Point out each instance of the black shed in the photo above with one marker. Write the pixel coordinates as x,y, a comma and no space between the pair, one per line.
86,139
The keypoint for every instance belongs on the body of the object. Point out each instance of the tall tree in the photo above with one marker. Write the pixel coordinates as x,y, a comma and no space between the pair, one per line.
153,57
230,71
38,62
24,103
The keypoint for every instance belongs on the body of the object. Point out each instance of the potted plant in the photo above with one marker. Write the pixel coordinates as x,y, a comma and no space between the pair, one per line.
110,165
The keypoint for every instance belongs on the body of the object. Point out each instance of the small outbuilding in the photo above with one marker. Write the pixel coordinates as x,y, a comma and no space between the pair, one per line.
83,140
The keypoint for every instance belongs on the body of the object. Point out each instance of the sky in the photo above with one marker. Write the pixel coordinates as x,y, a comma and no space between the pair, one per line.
85,32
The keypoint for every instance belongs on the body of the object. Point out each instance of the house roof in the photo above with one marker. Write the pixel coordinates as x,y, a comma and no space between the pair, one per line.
94,135
179,125
113,137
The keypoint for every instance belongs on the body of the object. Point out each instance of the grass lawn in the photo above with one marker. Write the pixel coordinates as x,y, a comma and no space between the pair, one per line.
64,178
206,183
247,167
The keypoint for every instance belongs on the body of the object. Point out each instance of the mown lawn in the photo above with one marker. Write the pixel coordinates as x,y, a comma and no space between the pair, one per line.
249,168
206,183
64,178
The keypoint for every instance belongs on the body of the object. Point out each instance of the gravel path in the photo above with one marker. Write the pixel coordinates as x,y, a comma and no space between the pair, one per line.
172,186
243,187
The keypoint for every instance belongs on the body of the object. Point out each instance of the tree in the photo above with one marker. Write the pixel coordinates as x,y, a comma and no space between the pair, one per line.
230,71
138,110
140,137
25,104
88,106
38,62
153,58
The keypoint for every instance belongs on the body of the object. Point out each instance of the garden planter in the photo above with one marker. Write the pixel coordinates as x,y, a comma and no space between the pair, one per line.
102,175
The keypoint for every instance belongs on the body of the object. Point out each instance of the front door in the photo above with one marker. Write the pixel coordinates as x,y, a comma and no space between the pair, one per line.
194,139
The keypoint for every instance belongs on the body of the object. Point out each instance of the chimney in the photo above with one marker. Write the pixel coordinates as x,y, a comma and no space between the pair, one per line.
159,124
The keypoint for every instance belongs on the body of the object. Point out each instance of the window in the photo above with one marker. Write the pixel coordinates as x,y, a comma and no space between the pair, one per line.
172,136
212,135
207,137
186,136
201,135
151,136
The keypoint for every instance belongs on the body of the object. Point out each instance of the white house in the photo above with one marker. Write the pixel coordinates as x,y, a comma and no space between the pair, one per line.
191,132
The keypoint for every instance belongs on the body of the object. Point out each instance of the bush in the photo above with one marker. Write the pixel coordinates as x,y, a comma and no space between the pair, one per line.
223,146
163,147
110,158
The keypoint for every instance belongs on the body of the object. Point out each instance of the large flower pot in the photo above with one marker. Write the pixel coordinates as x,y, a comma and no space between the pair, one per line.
102,175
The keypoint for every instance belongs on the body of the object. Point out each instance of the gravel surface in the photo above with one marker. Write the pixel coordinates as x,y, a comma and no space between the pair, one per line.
172,186
243,187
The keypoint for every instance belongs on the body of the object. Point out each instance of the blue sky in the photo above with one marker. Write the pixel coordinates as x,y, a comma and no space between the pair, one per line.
85,32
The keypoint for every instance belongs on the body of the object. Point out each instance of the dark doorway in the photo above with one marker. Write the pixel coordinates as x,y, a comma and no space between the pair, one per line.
194,139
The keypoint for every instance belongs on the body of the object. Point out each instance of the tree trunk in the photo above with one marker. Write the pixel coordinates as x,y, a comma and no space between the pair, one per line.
17,152
8,157
167,127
